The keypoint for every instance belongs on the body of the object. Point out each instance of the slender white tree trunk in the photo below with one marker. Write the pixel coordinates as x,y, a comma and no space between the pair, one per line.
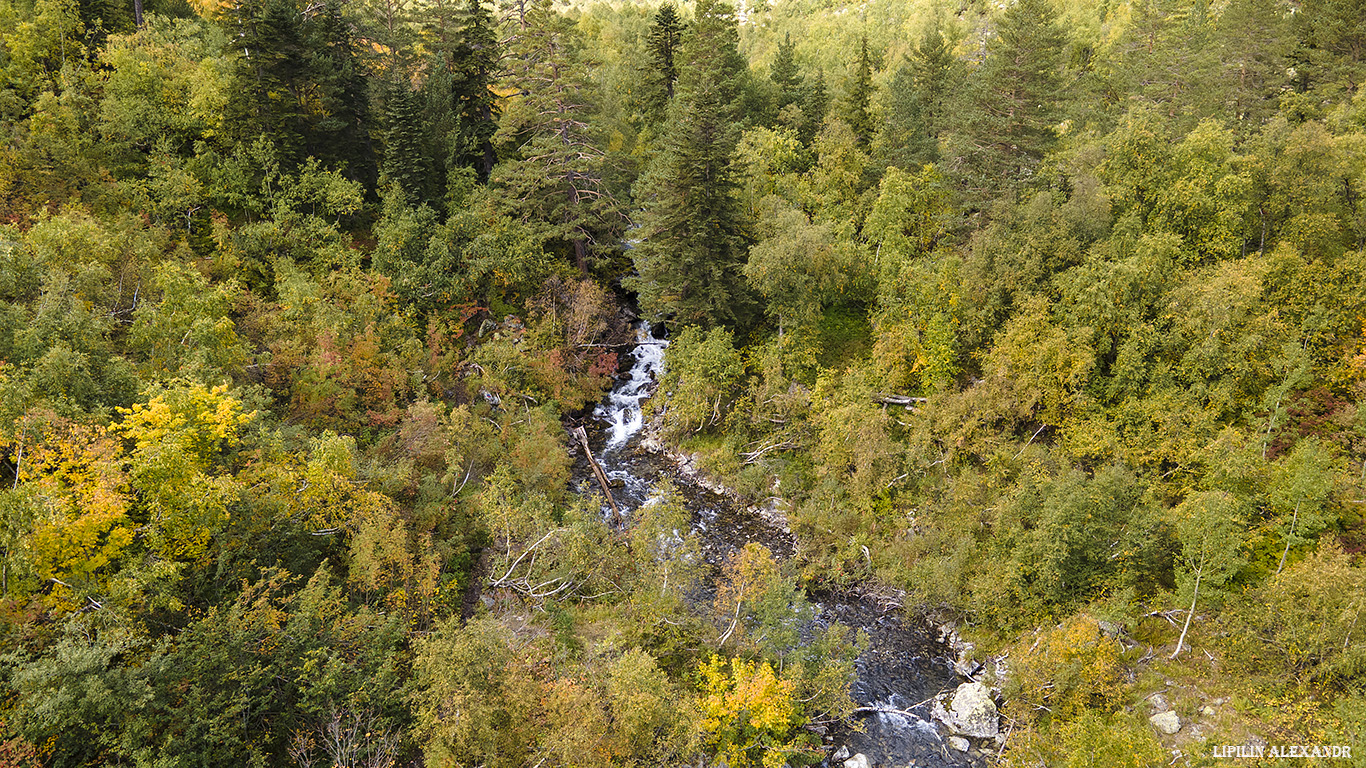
1293,520
1190,613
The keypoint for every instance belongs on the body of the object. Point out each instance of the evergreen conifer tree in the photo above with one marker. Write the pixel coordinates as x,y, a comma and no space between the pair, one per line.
694,237
815,103
905,139
666,35
555,185
858,110
298,82
405,162
1012,101
936,75
462,110
1253,47
339,109
785,74
269,80
1333,42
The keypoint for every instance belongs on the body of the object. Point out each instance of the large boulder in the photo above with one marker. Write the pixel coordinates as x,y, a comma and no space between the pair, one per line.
973,713
1168,722
858,761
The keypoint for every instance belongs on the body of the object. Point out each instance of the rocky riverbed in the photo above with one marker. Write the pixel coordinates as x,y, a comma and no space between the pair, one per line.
914,709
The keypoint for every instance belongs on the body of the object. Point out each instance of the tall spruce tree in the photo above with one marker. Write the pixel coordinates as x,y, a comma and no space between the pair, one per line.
462,109
270,77
340,108
555,183
815,104
298,82
785,74
1012,102
915,107
694,237
904,139
405,161
858,112
666,35
937,74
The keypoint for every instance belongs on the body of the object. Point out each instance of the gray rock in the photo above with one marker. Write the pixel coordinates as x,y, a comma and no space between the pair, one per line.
1159,702
858,761
959,743
973,713
840,754
1208,711
1167,722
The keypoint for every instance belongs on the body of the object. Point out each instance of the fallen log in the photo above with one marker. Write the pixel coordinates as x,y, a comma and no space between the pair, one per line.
905,400
599,474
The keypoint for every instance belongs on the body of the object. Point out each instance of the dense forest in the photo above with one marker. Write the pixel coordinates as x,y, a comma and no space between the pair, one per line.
1044,316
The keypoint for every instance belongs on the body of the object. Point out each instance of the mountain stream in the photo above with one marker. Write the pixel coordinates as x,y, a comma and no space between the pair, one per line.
906,664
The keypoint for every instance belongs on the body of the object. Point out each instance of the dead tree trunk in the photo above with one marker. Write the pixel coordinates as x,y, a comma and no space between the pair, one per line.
599,474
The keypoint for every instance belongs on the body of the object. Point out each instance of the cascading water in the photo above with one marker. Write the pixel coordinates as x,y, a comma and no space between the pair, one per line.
623,410
904,665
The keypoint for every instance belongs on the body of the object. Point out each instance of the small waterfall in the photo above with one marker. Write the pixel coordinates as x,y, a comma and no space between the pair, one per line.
623,411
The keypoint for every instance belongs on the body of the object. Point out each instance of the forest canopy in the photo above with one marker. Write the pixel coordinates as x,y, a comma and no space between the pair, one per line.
1046,316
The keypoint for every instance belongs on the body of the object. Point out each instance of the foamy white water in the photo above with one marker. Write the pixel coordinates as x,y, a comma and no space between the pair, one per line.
623,411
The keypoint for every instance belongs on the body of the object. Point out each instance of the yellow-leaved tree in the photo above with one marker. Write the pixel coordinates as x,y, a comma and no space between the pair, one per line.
73,493
180,438
749,715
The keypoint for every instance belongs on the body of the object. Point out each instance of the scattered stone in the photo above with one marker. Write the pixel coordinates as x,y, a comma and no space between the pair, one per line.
1208,711
840,754
973,713
1159,702
858,761
1167,722
1110,629
959,743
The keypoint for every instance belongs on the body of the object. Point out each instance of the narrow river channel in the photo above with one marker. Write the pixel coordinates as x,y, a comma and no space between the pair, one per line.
906,663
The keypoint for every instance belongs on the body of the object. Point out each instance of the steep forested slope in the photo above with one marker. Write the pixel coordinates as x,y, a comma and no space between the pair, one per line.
1047,315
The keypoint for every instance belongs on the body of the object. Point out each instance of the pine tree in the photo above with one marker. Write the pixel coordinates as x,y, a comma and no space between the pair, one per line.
1333,40
785,74
694,241
1168,60
556,184
1253,46
1012,101
666,34
815,104
858,110
905,139
405,162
